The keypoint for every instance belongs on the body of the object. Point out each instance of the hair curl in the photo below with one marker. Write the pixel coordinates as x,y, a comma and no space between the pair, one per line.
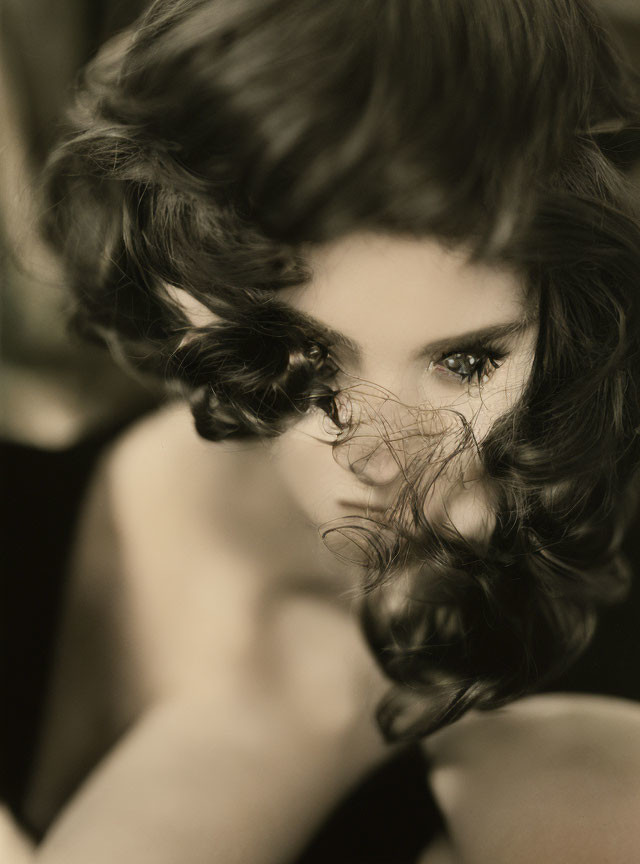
215,140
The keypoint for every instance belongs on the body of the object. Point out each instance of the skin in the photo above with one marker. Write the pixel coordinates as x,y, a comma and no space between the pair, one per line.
562,771
393,298
209,638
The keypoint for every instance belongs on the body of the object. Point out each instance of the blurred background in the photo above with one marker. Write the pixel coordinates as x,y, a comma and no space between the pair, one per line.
61,401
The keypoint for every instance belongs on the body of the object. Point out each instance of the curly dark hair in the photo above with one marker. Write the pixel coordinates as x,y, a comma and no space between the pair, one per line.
213,142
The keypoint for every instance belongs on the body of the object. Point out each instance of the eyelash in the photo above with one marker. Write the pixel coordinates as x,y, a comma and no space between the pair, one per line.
486,361
482,360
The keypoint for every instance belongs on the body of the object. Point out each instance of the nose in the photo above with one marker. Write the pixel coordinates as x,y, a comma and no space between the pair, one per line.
374,461
374,447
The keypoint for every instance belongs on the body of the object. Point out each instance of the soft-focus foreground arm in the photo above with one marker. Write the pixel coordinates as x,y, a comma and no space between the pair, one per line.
243,776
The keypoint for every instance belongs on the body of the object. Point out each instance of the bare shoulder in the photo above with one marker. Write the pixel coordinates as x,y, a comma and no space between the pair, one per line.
149,527
156,553
162,459
552,778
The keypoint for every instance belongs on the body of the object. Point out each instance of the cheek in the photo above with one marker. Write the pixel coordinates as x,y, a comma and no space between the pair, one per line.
304,460
462,501
498,398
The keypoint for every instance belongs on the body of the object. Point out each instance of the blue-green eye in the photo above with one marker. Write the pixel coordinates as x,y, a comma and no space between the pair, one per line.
469,366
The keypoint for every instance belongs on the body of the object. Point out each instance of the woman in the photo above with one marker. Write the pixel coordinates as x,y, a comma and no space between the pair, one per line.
386,251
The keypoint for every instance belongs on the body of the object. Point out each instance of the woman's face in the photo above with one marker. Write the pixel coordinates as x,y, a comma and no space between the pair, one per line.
415,326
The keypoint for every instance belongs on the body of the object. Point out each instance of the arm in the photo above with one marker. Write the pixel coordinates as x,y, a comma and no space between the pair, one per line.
550,778
240,776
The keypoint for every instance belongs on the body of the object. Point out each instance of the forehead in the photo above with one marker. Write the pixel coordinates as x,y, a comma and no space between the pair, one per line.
397,294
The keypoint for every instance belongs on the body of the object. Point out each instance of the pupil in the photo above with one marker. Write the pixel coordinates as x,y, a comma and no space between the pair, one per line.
464,364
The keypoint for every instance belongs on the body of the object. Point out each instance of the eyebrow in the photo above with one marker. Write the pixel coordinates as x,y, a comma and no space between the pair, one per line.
471,339
466,341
